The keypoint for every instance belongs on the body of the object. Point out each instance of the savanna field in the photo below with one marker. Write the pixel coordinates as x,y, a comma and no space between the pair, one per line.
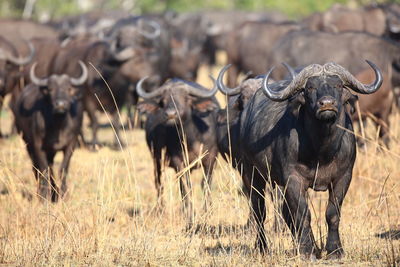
110,218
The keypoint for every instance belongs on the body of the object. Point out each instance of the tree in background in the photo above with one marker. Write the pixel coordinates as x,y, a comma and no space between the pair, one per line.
50,9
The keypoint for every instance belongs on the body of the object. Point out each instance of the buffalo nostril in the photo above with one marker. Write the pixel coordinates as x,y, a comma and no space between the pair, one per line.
61,103
171,114
327,102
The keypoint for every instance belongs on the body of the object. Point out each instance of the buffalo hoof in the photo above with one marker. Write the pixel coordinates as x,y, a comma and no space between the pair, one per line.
159,209
310,253
118,146
335,254
262,246
94,147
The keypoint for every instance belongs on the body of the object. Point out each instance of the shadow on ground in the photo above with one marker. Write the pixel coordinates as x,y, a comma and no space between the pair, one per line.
220,230
220,249
393,234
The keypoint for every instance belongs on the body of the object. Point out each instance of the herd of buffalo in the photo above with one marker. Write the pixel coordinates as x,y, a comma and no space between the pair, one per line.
290,127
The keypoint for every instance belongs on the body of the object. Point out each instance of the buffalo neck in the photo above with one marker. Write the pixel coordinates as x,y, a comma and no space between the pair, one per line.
323,139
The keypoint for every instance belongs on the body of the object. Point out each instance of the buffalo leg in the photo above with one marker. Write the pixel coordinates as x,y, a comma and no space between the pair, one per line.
257,198
277,199
246,189
64,167
53,185
208,163
337,193
157,177
185,187
94,123
1,110
383,122
41,171
131,102
298,217
117,127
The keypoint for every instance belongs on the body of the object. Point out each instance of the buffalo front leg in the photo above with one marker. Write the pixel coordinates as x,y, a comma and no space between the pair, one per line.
257,198
298,217
337,193
64,167
42,172
1,110
53,186
208,163
118,143
185,187
94,123
157,179
131,102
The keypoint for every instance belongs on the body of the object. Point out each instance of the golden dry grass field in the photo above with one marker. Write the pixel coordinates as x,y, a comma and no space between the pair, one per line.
109,216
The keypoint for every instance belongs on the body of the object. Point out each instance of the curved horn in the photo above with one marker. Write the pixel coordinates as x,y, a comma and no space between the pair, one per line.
24,60
142,93
151,35
281,91
122,55
35,79
221,86
82,79
201,91
351,81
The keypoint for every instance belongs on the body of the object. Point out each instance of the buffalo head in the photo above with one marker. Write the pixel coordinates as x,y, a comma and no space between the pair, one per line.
7,58
176,99
61,89
321,89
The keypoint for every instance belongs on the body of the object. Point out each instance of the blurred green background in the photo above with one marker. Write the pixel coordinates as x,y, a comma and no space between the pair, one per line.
52,9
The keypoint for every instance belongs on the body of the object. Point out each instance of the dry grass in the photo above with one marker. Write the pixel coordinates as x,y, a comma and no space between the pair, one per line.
109,216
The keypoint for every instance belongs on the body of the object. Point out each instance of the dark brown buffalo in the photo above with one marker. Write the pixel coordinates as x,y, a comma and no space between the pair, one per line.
93,23
113,60
380,20
249,47
11,64
220,23
188,44
229,117
16,30
297,134
19,31
181,119
45,50
377,106
304,47
49,115
185,61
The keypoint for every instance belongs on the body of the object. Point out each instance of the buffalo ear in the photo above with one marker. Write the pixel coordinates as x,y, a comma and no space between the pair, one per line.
73,91
221,116
204,105
147,107
296,102
349,100
44,89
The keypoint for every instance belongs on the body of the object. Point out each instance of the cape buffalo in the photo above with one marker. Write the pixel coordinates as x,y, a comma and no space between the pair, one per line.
10,65
250,45
181,118
380,20
49,115
297,134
